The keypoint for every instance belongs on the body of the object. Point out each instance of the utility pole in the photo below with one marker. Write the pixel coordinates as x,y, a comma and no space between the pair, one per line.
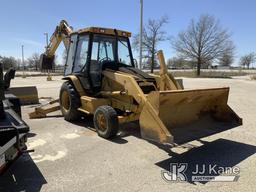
46,38
141,32
23,62
49,77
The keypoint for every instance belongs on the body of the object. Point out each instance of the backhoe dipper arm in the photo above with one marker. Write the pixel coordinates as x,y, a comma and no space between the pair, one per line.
60,34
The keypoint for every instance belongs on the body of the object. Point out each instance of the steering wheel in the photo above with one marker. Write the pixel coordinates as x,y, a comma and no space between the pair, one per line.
105,59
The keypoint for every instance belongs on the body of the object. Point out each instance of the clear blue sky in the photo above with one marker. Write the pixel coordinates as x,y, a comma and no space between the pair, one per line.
25,21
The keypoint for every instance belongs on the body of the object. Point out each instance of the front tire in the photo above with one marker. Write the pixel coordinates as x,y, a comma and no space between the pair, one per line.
106,121
69,102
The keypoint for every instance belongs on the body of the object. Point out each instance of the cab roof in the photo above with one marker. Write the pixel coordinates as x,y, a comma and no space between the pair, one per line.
101,30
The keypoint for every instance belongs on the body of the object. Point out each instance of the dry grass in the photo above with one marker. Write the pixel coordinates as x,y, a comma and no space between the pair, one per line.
253,77
208,74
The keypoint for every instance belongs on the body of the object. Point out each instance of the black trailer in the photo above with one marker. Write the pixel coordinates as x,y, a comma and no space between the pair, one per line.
13,130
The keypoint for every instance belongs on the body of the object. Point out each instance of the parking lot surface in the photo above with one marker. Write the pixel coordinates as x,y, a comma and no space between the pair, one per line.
71,157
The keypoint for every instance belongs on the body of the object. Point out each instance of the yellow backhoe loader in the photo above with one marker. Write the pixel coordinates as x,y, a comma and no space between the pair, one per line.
101,79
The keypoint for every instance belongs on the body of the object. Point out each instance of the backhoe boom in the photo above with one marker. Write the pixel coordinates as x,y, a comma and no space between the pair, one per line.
61,33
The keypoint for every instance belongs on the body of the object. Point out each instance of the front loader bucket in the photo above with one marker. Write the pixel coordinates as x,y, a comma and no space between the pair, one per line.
27,95
180,116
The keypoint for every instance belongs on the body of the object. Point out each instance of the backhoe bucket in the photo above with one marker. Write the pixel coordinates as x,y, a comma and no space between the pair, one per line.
181,116
46,63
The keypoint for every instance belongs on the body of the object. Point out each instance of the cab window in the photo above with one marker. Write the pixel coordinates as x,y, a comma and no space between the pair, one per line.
123,53
102,49
81,53
71,55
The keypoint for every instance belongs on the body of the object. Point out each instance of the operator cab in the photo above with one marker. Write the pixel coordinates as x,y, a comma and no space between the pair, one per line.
90,52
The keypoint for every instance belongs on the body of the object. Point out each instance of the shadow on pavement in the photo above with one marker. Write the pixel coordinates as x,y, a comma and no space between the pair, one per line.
221,152
127,129
30,134
22,175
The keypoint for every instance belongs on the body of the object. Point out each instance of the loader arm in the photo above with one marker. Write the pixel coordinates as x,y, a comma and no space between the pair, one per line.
167,81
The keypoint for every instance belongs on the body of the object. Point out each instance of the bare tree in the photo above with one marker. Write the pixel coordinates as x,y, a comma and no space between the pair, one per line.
34,60
19,63
227,58
247,60
152,35
204,41
8,62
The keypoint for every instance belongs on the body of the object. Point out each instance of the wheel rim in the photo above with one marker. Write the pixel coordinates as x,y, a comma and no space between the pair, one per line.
65,101
101,121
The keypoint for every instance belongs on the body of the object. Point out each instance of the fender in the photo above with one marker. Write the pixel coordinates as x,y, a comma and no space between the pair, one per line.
76,82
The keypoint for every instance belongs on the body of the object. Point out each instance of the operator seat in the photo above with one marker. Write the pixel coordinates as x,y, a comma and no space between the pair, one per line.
95,74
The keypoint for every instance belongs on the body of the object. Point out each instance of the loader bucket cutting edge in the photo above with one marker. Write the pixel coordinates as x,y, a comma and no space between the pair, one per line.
180,116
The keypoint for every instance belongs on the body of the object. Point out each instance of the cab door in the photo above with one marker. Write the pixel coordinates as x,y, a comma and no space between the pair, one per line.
70,55
81,60
102,52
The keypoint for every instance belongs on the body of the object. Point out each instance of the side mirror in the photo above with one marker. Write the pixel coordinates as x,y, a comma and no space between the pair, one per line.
135,63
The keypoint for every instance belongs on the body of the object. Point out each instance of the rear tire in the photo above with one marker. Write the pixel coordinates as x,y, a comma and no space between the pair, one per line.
106,121
69,102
